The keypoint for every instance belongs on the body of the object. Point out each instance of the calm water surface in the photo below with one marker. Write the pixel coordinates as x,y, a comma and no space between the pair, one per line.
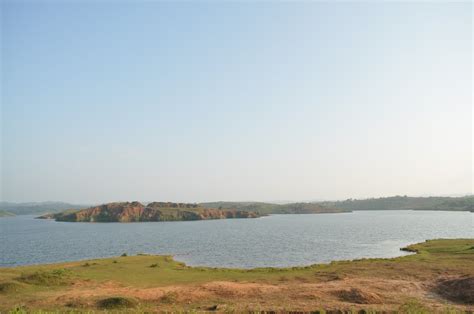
277,240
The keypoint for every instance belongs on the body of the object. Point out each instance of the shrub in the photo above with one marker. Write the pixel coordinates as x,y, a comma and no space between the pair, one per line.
459,290
77,303
117,303
358,296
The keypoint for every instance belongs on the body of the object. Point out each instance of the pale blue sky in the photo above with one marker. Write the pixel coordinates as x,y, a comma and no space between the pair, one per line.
196,101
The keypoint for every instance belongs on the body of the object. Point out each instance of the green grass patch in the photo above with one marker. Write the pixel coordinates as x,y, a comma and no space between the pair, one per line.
56,277
11,287
141,271
440,246
19,310
413,306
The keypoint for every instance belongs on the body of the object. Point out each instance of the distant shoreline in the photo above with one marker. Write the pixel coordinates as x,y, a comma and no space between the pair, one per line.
462,203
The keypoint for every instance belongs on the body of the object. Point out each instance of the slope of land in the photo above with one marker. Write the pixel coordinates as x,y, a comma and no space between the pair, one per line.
268,208
465,203
4,213
37,208
155,211
439,278
459,204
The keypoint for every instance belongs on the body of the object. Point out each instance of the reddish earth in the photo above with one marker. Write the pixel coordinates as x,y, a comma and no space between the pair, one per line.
156,211
376,294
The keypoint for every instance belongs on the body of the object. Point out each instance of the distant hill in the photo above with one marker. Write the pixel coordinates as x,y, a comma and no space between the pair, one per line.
465,203
37,208
4,213
268,208
155,211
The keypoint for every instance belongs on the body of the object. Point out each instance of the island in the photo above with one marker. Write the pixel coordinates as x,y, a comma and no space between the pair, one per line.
437,278
154,211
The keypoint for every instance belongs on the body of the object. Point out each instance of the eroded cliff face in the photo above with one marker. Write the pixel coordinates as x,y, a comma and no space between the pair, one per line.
156,211
111,212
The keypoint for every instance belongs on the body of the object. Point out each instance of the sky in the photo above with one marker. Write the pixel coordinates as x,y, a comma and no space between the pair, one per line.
196,101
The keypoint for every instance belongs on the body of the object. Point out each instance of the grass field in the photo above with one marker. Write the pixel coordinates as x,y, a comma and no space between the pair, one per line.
439,278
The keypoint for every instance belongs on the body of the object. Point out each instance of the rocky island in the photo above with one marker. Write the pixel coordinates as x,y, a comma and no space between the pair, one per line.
155,211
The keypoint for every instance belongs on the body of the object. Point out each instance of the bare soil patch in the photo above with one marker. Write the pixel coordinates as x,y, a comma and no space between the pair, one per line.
358,296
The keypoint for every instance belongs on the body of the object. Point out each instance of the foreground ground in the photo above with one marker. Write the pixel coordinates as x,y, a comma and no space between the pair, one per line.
440,278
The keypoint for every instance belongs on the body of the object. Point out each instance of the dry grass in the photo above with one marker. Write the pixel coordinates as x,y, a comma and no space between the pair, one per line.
423,282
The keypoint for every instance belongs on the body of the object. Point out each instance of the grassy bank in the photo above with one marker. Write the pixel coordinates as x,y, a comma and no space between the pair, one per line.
440,277
4,213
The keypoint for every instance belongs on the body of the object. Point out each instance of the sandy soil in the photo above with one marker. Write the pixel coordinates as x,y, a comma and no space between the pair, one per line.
346,293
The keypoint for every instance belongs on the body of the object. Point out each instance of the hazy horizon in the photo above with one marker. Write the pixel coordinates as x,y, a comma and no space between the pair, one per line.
198,101
237,201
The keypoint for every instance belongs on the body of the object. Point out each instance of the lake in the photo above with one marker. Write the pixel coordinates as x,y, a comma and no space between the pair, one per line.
276,240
